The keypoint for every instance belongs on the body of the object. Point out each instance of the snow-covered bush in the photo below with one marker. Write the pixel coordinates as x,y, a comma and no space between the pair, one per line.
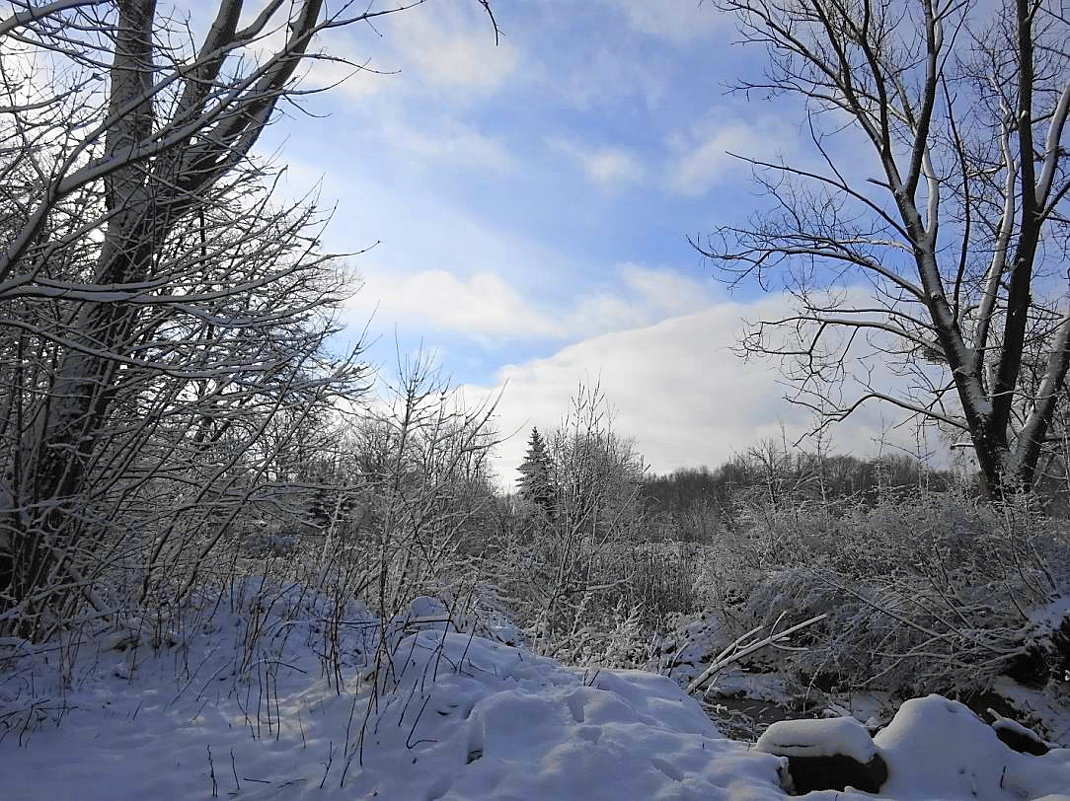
575,568
267,542
599,603
943,594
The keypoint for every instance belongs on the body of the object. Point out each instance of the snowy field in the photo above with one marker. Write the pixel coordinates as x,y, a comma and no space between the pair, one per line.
276,696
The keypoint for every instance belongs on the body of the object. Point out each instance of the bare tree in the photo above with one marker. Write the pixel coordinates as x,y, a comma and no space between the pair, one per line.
945,250
422,469
162,315
574,563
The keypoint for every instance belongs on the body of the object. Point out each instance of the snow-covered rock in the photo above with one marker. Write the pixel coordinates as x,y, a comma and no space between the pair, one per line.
812,738
937,748
829,754
933,748
1017,737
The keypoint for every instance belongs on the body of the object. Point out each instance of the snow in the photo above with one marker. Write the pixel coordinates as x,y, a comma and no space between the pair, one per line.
937,748
271,695
1039,706
449,716
1052,615
818,738
510,725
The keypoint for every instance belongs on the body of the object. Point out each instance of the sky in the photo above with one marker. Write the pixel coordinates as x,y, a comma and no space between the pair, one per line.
525,209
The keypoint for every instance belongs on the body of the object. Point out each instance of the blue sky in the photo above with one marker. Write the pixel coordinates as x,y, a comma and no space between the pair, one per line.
532,201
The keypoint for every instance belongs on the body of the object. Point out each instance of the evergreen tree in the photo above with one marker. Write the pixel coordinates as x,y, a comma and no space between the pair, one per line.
536,482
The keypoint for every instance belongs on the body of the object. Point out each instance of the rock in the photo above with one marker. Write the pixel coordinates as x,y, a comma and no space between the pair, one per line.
836,773
826,754
1043,658
1018,737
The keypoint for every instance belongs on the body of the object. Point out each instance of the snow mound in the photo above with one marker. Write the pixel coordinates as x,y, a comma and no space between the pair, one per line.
501,723
447,716
818,738
936,748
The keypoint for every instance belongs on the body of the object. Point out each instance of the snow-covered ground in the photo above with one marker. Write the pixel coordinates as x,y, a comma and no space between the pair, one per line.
273,696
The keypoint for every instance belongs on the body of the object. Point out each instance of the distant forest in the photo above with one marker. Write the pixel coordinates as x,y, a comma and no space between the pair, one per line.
697,502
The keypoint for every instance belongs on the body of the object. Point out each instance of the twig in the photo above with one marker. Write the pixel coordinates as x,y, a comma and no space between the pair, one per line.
234,770
211,773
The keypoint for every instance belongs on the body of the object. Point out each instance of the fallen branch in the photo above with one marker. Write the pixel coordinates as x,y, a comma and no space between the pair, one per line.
733,653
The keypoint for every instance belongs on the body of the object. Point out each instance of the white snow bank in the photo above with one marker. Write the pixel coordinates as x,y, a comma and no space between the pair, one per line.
451,717
936,748
818,738
259,712
500,723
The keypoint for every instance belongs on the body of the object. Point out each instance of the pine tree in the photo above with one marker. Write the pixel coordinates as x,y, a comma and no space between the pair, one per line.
536,481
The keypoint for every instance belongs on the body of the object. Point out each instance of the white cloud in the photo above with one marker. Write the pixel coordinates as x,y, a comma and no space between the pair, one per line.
677,21
481,304
606,167
449,141
701,160
677,390
610,78
666,291
454,49
700,167
349,73
641,297
416,53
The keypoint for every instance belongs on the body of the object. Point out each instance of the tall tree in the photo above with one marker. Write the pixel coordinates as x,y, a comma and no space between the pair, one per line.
536,482
944,250
162,315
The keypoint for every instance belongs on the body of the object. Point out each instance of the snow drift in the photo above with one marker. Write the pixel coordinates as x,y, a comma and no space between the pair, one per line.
442,715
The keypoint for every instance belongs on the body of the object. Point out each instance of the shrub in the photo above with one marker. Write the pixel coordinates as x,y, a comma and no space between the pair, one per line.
941,595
